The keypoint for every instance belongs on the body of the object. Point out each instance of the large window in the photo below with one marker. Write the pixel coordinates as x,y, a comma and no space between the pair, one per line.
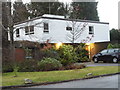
91,30
17,33
46,28
29,30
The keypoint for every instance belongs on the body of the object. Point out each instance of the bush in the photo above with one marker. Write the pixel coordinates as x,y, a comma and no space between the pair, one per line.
82,53
48,64
67,54
28,66
7,68
75,66
49,53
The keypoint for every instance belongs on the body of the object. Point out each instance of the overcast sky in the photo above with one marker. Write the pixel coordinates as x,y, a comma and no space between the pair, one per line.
107,11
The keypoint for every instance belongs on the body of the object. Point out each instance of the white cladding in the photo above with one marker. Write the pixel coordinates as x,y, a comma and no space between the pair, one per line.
58,33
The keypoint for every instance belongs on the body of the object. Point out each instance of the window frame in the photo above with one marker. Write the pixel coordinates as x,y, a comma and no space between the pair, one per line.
17,32
91,30
31,29
69,28
27,30
46,27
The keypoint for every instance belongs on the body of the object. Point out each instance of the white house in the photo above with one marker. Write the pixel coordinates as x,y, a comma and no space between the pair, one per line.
59,29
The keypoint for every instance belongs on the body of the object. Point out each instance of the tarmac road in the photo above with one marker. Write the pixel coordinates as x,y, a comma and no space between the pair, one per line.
102,82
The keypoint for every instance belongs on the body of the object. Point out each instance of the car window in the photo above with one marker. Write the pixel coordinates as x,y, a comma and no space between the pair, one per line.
116,50
104,51
111,50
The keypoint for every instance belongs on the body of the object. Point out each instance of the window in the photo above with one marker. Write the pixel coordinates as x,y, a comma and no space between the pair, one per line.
104,51
91,30
26,30
69,28
29,30
17,33
46,28
111,50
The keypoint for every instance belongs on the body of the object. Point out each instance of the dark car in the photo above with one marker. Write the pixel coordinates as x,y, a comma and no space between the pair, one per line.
107,55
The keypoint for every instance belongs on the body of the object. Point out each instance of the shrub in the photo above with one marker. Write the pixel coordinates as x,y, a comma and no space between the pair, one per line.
67,54
48,64
75,66
28,66
49,53
7,68
81,53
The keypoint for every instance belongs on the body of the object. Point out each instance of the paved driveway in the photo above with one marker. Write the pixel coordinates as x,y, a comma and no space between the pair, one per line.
101,64
103,82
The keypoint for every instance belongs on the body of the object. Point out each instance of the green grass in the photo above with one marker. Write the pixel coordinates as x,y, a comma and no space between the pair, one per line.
52,76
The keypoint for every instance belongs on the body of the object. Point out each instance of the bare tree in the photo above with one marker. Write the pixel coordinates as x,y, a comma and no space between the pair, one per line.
8,29
76,31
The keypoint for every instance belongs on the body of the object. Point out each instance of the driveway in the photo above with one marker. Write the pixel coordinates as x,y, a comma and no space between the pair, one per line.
101,64
102,82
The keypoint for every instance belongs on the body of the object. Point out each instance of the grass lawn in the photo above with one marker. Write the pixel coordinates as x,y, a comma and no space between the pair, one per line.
51,76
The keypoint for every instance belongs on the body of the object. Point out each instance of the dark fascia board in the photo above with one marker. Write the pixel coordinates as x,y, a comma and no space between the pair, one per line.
78,20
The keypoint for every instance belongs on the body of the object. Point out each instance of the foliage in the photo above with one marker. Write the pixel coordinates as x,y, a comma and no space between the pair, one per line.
49,53
40,8
113,46
115,35
67,54
20,12
28,66
48,64
7,67
84,10
75,66
15,70
82,53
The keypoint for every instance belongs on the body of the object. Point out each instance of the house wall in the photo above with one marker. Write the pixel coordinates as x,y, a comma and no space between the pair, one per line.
58,33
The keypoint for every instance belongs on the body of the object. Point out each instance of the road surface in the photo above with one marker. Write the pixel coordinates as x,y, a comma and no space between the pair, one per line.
102,82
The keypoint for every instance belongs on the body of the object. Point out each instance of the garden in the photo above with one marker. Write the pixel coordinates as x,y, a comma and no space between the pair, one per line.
51,58
55,64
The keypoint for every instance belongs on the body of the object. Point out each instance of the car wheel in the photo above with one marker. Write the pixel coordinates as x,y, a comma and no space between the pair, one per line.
105,61
115,60
95,60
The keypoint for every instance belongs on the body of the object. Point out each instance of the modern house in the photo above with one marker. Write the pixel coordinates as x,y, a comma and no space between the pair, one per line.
59,29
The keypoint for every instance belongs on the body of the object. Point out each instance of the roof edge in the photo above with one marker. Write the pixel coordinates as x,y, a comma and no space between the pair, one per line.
79,20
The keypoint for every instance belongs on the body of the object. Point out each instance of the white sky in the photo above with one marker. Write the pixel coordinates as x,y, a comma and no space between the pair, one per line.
107,11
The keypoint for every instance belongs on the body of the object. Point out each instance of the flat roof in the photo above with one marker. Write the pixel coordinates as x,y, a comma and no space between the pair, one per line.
78,20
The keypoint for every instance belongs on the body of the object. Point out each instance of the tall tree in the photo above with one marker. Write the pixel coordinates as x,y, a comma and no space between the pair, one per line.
20,12
39,8
85,10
